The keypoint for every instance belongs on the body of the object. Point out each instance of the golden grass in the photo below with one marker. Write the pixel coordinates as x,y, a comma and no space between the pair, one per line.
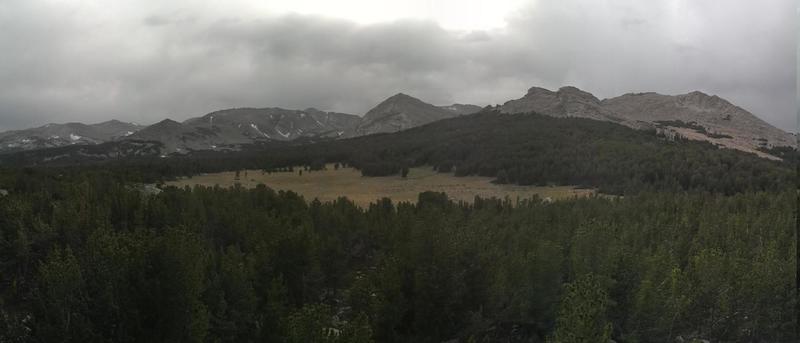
330,184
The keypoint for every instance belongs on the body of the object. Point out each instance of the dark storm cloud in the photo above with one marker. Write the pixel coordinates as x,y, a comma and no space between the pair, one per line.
65,63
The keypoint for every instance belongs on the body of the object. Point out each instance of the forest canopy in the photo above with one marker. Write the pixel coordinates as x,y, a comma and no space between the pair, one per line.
88,258
701,244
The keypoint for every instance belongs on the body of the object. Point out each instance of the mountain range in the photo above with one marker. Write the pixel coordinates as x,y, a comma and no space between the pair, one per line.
57,135
695,115
229,129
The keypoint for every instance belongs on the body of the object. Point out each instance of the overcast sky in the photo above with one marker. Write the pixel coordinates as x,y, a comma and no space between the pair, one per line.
146,60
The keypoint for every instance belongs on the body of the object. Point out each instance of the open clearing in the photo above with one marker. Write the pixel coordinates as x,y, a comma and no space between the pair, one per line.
330,184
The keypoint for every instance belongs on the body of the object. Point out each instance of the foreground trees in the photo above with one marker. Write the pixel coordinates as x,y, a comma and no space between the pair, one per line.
94,259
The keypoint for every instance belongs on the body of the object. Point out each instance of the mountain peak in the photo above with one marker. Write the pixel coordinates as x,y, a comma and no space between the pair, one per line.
400,112
571,89
568,101
698,94
701,99
167,122
563,91
115,123
577,92
398,100
401,97
538,90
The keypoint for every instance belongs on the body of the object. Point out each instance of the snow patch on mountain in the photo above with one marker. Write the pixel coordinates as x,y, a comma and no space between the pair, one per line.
254,126
285,135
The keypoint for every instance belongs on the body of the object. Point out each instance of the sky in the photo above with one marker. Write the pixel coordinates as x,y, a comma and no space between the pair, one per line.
146,60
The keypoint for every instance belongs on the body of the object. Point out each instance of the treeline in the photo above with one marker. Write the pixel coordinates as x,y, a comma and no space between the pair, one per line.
787,154
694,126
530,149
526,149
84,257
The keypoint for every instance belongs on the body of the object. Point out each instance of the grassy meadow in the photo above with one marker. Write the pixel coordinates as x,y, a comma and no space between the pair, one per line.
329,184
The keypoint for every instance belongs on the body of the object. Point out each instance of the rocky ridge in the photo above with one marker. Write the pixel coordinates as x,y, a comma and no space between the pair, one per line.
694,115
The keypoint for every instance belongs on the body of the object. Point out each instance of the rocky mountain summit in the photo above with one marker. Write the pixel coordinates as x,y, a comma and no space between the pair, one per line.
566,102
400,112
695,115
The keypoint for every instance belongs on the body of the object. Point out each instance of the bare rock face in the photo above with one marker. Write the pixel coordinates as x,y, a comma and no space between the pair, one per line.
709,118
695,115
566,102
537,100
401,112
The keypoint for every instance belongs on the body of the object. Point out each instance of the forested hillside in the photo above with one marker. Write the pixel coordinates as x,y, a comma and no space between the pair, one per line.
701,245
88,258
527,149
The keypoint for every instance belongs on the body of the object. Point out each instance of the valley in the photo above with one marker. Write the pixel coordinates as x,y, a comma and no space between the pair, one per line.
399,171
684,220
331,183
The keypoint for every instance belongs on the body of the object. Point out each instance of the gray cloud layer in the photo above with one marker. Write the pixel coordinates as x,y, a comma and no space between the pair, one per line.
142,63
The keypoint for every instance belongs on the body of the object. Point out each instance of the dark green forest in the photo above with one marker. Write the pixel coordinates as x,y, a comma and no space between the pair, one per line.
701,244
90,259
527,149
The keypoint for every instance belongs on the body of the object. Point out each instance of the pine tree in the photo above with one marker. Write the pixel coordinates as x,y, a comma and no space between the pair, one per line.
582,316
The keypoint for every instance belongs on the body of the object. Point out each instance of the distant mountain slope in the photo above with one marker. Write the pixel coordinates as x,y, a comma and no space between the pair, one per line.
277,123
566,102
462,109
225,129
400,112
171,134
113,129
228,129
538,149
526,149
695,115
119,150
57,135
715,119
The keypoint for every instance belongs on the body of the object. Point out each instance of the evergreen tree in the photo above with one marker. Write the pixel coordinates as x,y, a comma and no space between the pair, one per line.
582,316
